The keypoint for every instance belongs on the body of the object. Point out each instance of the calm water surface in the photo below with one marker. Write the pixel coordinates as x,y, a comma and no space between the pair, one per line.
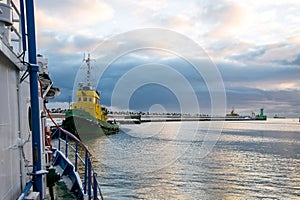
183,160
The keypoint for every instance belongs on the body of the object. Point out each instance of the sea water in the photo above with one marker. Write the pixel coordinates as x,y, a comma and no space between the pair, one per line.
198,160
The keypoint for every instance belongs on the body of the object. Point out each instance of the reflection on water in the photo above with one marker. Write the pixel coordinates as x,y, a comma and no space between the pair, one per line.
254,159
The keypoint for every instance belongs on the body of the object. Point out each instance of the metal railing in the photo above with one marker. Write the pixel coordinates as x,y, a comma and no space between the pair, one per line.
13,33
73,149
16,29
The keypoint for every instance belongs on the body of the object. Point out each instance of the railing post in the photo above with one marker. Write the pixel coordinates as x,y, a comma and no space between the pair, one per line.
76,156
59,135
54,133
85,171
95,184
89,178
67,146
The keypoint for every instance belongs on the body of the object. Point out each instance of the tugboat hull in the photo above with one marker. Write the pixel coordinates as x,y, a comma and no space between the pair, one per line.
87,128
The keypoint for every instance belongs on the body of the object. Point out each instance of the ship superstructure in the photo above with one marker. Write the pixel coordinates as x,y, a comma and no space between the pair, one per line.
22,144
26,153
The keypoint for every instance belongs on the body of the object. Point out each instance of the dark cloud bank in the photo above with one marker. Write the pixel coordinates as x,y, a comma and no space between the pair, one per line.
247,88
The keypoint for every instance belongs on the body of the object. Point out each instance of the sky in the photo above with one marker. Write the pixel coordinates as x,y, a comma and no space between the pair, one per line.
254,46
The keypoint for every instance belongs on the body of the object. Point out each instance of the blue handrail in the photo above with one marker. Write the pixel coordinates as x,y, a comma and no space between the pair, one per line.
25,191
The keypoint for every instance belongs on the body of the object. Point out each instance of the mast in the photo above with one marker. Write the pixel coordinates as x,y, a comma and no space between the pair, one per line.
88,63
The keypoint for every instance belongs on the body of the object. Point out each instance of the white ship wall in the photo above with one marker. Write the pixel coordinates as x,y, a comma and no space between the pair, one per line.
14,127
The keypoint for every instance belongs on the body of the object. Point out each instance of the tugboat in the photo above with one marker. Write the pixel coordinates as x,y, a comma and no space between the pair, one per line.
87,119
232,114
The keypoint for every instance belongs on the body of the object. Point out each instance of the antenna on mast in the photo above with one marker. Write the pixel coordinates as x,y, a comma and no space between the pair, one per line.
88,63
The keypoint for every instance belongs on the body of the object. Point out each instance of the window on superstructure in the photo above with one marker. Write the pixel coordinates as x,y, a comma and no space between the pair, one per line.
79,98
84,99
90,99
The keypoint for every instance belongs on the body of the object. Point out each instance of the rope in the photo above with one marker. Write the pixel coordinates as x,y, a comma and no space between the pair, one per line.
66,132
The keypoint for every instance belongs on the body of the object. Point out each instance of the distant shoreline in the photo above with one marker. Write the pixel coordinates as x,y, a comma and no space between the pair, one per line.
137,119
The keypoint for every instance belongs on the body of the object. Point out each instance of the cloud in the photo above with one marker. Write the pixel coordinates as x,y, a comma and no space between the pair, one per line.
179,22
72,15
296,61
233,28
142,7
251,54
224,28
262,77
287,53
224,18
64,43
276,53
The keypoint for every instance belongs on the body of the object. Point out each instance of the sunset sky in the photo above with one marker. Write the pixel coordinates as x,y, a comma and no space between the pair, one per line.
254,44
